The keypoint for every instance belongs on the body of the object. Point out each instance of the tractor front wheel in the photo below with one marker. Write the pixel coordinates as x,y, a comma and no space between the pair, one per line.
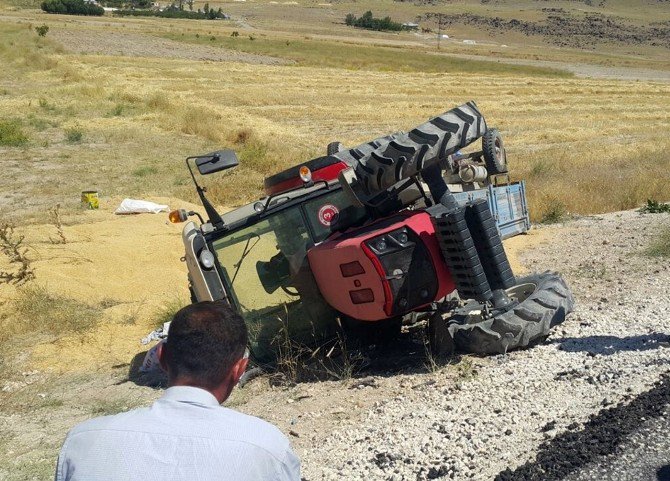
542,301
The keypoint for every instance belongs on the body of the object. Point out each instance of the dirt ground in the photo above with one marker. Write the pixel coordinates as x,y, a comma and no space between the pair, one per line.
127,262
99,42
135,261
583,70
138,45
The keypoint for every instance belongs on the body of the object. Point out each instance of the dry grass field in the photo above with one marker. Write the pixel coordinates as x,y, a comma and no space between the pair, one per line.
122,124
117,104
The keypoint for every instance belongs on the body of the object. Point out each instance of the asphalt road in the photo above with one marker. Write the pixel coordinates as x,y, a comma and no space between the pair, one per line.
626,442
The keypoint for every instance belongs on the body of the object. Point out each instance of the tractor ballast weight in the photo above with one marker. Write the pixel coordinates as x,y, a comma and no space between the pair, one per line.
354,236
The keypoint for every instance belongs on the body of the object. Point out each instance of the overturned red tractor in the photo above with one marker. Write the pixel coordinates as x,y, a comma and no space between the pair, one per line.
400,229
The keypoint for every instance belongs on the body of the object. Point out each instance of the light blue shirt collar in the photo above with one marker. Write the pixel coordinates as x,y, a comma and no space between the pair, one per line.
189,394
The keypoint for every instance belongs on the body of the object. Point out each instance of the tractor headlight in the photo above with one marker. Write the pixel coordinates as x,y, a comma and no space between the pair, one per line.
402,237
206,259
390,242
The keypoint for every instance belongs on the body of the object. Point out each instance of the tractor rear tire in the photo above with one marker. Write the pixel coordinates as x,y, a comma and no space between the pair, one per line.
544,300
495,156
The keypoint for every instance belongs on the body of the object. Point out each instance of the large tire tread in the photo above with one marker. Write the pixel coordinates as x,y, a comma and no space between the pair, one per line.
527,324
334,147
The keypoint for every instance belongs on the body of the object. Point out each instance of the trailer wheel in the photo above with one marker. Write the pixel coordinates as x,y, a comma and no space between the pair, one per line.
543,302
334,148
494,152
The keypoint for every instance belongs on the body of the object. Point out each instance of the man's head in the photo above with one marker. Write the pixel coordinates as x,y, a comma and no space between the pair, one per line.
205,348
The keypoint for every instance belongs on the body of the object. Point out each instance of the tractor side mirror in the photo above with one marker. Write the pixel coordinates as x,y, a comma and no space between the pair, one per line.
216,161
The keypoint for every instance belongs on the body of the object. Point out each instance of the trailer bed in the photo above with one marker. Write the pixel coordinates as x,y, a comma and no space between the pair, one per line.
508,206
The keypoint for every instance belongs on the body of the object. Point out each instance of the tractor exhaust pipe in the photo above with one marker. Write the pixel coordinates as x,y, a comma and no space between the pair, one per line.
438,188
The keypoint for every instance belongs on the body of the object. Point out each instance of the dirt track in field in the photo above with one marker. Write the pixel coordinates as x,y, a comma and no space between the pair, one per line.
138,45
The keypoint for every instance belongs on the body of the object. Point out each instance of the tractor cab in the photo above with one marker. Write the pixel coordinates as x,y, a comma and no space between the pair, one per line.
259,258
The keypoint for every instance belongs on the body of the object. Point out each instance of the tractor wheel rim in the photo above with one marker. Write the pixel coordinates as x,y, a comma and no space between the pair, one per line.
498,150
521,292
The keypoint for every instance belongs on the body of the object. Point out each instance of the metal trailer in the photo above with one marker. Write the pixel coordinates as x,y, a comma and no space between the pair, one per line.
508,206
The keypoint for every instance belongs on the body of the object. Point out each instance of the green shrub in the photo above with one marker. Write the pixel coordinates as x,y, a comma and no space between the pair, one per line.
167,312
173,11
46,105
145,171
39,310
660,247
372,23
73,136
553,212
41,124
42,30
126,3
11,134
541,168
71,7
655,207
117,111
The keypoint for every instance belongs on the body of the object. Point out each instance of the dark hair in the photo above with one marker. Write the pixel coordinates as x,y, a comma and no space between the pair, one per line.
205,340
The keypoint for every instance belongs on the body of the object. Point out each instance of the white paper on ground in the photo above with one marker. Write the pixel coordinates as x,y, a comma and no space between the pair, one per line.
134,206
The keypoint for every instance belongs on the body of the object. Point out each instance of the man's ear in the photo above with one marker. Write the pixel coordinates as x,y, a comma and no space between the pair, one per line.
162,353
238,369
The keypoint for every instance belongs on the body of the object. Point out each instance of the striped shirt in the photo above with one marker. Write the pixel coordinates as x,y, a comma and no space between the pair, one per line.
185,435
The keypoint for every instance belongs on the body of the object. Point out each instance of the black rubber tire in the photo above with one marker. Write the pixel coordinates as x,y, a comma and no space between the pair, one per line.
525,324
334,148
495,156
440,341
387,160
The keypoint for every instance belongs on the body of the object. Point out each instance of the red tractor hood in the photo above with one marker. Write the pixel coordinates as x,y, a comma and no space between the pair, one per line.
382,270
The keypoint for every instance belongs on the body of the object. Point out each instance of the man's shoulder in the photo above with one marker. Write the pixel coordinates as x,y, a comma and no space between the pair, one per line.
229,415
251,429
117,422
219,423
212,437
